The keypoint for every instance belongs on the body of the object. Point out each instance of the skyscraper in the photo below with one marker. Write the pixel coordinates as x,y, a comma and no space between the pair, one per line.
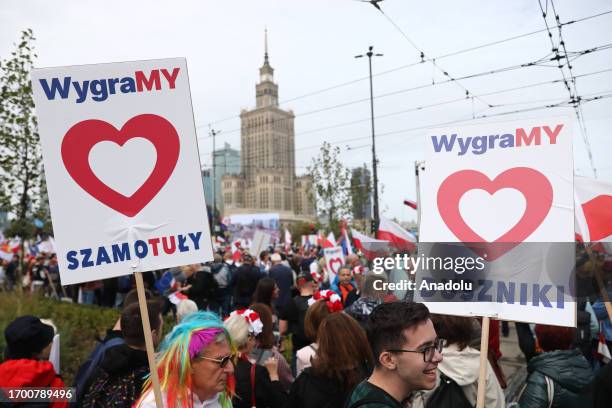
267,181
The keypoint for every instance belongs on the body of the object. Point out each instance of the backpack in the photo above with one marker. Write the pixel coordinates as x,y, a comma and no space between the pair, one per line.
115,391
448,394
88,368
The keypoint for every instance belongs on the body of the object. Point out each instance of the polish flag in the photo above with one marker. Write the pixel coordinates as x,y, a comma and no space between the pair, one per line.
399,238
593,209
370,247
236,252
411,204
177,297
329,241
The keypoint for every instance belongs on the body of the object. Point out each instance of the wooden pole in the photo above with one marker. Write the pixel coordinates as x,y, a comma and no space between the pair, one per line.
484,353
144,314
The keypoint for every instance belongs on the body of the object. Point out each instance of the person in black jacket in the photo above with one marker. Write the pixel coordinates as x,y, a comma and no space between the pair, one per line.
256,386
341,362
119,379
201,283
244,282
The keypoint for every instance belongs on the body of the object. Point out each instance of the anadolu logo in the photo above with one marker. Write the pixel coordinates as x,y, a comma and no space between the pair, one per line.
480,144
100,89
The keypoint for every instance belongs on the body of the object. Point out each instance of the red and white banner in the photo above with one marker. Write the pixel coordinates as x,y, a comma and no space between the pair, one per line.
399,238
370,247
593,209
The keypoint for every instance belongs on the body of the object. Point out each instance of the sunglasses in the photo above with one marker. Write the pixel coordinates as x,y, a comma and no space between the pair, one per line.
221,361
428,352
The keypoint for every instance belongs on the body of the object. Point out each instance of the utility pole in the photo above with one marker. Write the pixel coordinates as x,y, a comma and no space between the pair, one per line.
214,133
376,214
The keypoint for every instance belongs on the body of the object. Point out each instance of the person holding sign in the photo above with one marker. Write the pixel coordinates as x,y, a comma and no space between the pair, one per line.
195,365
406,354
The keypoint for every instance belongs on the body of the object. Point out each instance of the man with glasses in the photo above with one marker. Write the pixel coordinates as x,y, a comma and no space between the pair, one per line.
406,353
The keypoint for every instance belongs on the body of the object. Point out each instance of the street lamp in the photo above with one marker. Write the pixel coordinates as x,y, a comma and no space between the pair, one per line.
214,133
370,54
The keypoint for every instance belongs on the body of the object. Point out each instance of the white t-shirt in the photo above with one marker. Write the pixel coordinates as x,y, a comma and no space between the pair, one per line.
149,401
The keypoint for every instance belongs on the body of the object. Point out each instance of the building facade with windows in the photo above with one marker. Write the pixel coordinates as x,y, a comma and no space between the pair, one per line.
267,182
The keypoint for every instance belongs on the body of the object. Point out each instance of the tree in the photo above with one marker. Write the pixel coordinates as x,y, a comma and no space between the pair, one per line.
360,191
331,184
21,182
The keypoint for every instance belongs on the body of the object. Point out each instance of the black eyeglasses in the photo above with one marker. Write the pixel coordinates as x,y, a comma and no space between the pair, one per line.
428,352
222,361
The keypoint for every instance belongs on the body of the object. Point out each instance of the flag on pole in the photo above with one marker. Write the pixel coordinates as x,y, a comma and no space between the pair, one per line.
411,204
327,242
399,238
370,247
345,243
593,209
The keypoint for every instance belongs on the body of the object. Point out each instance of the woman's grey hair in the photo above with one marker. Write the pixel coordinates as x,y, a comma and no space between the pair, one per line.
367,286
185,307
238,329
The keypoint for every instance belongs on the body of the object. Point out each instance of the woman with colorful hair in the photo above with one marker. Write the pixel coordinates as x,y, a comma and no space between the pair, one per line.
256,385
194,365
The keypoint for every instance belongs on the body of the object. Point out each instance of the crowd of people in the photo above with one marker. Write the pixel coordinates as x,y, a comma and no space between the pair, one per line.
276,330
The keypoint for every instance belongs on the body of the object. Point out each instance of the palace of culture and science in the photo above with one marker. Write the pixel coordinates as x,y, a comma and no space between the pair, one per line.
267,182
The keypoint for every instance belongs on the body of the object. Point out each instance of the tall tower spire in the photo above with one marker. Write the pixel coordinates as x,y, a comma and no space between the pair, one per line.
266,45
266,89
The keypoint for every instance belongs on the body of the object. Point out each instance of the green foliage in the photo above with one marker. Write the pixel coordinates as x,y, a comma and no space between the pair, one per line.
78,325
331,183
21,181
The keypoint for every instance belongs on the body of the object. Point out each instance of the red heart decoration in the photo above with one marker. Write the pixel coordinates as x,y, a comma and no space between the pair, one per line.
82,137
534,186
334,261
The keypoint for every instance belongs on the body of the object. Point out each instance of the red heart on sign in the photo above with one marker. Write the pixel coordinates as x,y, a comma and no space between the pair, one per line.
82,137
334,261
534,186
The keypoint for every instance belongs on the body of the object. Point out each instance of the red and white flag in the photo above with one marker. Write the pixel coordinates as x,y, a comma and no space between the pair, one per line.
329,241
593,209
411,204
177,297
371,247
399,238
602,347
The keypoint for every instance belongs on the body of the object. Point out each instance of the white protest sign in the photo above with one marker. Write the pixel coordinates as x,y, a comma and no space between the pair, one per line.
122,168
261,241
508,184
334,259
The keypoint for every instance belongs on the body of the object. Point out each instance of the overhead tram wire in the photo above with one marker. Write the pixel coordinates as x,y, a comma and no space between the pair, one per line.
451,54
577,100
540,62
433,61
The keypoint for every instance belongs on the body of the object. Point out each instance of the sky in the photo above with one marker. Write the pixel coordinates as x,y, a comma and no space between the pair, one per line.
312,45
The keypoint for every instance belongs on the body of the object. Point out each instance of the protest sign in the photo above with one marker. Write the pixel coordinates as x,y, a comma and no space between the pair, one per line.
509,185
334,259
243,226
261,241
122,168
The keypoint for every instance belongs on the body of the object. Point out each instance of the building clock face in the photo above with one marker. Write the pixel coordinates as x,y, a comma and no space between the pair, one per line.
266,77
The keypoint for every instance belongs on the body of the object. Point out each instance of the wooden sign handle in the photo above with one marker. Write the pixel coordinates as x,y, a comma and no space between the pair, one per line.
144,314
484,353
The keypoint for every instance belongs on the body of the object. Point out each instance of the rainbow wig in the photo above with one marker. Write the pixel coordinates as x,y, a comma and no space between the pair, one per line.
195,332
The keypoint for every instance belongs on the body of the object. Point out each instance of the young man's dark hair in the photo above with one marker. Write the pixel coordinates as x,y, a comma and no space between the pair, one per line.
387,322
406,353
131,323
118,380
